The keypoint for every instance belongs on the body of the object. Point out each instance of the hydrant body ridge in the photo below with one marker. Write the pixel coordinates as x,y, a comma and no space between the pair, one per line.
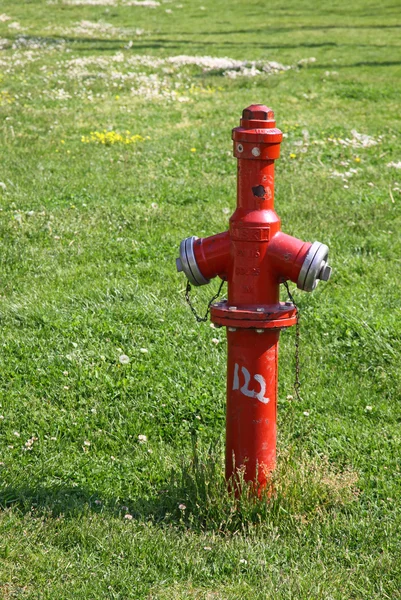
254,257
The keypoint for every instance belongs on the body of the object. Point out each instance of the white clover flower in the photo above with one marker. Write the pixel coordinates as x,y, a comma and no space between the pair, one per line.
124,359
142,439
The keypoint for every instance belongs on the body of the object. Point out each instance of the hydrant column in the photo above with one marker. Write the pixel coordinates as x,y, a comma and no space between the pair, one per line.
253,288
251,412
254,257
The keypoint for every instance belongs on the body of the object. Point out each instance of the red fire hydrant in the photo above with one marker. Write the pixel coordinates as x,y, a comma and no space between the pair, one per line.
254,257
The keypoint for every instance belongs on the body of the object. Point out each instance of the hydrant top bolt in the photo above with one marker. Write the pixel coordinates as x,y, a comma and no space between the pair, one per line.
259,309
257,112
232,308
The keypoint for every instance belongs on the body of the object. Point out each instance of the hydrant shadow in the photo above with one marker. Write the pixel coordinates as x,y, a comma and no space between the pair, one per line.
196,496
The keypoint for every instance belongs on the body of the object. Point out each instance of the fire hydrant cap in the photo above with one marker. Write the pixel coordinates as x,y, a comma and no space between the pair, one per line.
187,262
258,112
314,267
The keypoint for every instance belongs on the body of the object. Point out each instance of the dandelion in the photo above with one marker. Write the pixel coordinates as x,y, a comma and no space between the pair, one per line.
142,439
292,155
357,159
110,138
124,359
193,149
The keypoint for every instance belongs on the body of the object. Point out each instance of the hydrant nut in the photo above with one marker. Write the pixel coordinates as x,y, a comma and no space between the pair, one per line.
256,151
325,273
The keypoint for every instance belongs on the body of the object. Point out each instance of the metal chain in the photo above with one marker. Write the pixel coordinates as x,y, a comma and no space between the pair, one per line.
193,309
297,381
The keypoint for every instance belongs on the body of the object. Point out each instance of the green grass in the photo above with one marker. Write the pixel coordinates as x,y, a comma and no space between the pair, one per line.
88,238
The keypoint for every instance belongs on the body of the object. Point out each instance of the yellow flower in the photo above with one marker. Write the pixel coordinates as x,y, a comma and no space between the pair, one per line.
109,138
357,159
292,155
193,149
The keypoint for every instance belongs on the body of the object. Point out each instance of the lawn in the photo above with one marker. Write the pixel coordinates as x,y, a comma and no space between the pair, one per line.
115,144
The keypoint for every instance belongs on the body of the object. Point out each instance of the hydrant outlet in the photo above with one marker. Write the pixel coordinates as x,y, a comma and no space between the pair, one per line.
187,262
314,267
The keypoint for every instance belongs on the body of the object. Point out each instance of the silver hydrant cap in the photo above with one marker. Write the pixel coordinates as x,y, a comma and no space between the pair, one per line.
314,267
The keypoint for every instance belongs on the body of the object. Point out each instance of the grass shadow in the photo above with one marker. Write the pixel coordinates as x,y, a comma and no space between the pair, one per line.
196,496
